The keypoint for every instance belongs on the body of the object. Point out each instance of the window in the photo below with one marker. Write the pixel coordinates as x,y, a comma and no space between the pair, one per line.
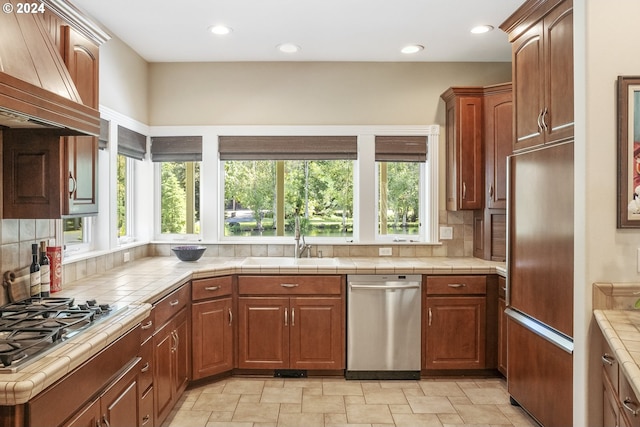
266,184
179,171
132,147
400,163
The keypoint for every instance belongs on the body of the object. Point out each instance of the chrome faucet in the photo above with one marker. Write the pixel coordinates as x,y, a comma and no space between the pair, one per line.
299,248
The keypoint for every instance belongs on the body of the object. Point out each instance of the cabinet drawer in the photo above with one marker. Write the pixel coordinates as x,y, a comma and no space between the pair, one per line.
146,409
147,326
456,285
610,365
629,402
290,285
210,288
171,305
145,375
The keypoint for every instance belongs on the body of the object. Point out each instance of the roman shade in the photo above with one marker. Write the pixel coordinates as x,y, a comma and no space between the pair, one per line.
401,148
288,147
176,148
131,144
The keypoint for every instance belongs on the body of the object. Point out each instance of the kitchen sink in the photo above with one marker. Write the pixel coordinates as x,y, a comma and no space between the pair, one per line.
287,261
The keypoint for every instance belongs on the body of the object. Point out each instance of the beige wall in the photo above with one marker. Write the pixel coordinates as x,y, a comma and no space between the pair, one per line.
605,48
124,80
304,93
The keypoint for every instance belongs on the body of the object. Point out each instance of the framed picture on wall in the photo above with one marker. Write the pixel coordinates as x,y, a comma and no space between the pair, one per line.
628,151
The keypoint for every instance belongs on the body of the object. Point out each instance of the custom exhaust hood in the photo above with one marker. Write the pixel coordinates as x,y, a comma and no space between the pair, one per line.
36,89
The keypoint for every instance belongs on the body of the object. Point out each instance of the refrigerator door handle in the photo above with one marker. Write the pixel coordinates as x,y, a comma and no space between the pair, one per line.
555,338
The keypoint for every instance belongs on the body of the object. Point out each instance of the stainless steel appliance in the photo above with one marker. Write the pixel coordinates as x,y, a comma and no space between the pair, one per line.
383,326
31,328
540,282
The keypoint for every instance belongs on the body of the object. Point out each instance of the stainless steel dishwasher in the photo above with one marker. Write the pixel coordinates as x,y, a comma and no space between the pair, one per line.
383,326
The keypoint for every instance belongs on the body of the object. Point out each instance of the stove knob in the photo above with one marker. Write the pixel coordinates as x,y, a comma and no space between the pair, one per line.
105,307
91,302
83,306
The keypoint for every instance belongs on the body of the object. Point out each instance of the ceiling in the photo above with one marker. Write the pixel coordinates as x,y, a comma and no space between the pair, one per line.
325,30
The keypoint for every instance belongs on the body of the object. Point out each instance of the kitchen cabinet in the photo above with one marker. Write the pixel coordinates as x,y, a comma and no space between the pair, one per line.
502,326
541,36
212,326
45,174
489,225
116,407
464,157
171,351
454,328
619,400
145,374
103,388
291,322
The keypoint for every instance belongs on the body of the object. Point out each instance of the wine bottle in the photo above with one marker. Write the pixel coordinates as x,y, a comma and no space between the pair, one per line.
45,271
34,273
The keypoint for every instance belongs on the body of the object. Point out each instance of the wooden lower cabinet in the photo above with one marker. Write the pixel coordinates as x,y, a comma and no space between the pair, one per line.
171,364
502,327
212,337
116,407
291,333
456,333
618,398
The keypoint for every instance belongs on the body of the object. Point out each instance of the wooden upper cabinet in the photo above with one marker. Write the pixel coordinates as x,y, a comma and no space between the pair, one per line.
464,186
542,68
498,142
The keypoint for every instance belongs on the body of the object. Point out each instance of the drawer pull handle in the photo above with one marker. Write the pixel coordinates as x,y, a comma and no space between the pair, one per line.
147,325
608,359
456,285
145,368
145,419
289,285
230,317
286,317
174,303
430,316
631,406
293,317
212,288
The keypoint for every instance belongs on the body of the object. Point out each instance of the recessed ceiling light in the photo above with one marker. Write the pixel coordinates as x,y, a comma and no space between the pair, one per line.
481,29
220,30
288,48
413,48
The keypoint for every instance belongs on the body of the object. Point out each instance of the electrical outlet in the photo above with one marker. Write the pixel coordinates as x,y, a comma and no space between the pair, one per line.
385,252
446,233
126,257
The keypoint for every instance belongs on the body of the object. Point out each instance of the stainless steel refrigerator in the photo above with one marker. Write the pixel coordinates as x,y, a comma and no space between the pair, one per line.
540,283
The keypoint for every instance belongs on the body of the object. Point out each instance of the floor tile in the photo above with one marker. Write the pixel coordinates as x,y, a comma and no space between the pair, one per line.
334,402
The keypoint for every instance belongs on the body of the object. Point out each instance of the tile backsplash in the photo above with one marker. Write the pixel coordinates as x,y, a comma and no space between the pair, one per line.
18,235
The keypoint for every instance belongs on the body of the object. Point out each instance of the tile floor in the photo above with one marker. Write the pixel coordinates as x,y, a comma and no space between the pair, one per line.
308,402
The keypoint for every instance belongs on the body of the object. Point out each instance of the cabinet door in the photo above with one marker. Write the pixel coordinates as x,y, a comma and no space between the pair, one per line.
528,87
119,403
182,355
498,137
164,372
317,333
81,56
464,152
82,180
212,332
558,48
263,333
89,416
502,337
455,332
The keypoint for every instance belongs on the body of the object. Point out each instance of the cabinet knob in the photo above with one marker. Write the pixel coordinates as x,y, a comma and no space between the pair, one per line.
464,190
430,316
491,190
230,317
147,325
608,359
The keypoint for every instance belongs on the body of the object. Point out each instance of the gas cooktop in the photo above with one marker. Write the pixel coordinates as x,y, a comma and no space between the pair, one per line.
30,328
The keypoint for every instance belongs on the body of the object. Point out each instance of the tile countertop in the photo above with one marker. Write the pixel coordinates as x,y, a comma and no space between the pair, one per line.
142,282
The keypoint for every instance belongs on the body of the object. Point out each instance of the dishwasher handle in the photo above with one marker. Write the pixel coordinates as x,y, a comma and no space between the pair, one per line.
384,288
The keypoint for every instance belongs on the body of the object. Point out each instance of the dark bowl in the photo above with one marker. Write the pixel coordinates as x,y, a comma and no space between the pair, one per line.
189,253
